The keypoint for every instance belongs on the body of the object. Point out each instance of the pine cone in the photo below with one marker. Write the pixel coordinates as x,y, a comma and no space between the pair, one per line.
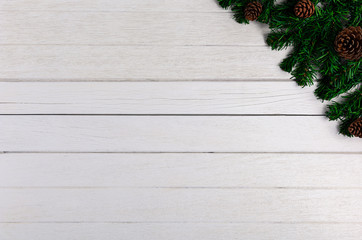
348,43
253,11
356,128
304,9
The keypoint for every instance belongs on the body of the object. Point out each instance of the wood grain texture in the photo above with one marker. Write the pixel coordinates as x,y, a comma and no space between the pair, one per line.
172,134
180,205
249,170
139,63
183,231
150,58
111,5
157,98
127,28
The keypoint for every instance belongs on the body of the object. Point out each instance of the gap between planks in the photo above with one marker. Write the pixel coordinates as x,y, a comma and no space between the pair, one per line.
183,188
171,152
73,80
165,115
181,222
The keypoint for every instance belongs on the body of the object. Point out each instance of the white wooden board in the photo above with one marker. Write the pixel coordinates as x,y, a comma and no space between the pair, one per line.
157,98
180,205
182,231
128,28
172,134
112,5
143,78
248,170
60,62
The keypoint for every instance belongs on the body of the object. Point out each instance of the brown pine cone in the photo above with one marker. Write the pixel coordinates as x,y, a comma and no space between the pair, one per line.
348,43
356,128
304,9
253,10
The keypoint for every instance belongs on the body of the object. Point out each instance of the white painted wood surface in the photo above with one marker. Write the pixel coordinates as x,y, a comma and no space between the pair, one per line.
175,170
134,63
138,28
172,134
131,45
180,205
157,98
143,119
182,231
111,5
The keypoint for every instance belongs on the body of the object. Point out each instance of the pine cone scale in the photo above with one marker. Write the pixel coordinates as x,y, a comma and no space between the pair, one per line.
304,9
253,10
356,128
348,43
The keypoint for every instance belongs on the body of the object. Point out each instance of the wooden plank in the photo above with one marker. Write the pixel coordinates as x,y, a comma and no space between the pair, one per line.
125,28
52,62
247,170
156,231
173,134
180,205
157,98
111,5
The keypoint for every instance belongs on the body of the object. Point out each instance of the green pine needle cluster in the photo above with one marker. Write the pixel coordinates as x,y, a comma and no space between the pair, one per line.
312,58
238,6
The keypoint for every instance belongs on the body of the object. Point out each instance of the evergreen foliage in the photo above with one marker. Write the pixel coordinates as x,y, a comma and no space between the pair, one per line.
313,57
238,7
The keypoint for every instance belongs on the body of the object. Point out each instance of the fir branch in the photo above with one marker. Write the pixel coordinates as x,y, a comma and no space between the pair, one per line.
313,52
304,73
350,106
238,8
227,3
344,125
290,61
329,88
347,111
279,40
